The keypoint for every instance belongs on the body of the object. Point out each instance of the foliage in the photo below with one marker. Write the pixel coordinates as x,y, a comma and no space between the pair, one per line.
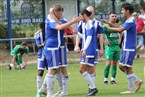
3,31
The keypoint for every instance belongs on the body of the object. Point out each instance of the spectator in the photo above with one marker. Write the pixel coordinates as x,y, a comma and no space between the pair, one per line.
142,15
140,31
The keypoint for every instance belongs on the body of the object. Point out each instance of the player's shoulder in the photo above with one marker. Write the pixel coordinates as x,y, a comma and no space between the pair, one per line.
130,20
49,19
89,24
37,34
63,20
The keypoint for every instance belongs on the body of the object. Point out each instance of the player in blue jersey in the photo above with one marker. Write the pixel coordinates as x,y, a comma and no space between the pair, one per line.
128,47
53,45
88,52
99,31
42,63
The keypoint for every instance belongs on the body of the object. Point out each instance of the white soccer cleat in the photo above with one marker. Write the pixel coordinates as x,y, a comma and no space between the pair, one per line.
127,92
63,94
43,90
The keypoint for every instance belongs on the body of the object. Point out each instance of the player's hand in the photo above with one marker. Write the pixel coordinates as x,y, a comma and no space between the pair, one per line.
104,21
107,26
77,49
77,19
101,52
83,53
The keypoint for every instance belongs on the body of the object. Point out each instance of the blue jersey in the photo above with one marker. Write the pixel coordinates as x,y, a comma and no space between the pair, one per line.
52,34
62,33
98,28
129,42
90,31
39,38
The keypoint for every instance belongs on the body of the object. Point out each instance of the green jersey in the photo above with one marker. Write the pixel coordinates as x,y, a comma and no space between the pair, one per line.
111,36
18,50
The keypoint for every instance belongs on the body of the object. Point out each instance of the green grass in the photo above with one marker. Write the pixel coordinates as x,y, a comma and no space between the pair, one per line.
22,83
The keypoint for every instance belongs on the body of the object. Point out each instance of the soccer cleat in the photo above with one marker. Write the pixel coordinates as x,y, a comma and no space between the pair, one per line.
113,82
92,92
127,92
138,85
43,90
58,92
10,68
38,94
106,82
63,94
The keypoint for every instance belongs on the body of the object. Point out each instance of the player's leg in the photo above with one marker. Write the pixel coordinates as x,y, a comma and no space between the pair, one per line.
87,64
113,72
109,58
52,57
116,57
19,60
63,70
41,64
128,62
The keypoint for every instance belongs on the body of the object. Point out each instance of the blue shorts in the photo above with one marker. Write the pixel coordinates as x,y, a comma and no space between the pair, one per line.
63,56
52,57
42,64
127,58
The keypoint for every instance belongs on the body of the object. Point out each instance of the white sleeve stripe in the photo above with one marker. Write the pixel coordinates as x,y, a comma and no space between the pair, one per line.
87,43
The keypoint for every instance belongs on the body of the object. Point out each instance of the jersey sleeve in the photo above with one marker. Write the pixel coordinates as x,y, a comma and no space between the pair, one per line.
104,28
27,50
99,28
80,27
37,39
127,25
16,49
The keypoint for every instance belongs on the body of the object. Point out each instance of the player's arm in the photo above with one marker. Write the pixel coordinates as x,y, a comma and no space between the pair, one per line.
109,23
77,48
26,57
14,61
120,37
66,25
86,45
118,29
101,39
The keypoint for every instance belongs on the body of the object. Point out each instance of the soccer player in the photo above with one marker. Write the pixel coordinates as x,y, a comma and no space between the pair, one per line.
99,31
88,52
42,63
16,55
129,46
52,48
112,50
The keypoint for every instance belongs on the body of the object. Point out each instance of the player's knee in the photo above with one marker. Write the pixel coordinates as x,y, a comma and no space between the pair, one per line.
40,72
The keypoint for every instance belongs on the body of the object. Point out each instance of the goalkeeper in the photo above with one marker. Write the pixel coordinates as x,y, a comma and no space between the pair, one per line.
16,55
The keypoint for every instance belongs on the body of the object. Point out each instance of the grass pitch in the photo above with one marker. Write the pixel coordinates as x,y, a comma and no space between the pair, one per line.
22,83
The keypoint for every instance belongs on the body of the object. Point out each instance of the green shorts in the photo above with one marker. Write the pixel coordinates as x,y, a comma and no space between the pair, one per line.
112,52
18,59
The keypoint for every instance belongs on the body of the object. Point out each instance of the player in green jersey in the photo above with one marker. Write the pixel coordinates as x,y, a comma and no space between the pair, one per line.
112,50
16,55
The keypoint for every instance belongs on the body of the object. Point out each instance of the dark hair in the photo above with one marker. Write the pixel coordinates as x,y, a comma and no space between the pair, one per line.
142,7
57,8
128,6
112,12
42,25
86,12
23,43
